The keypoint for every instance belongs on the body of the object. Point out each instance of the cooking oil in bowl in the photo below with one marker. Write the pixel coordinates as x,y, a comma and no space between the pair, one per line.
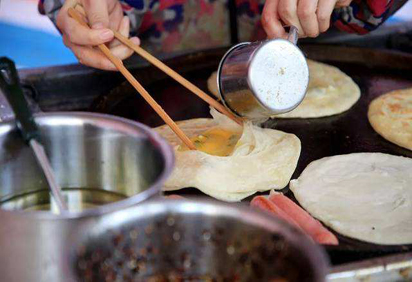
77,199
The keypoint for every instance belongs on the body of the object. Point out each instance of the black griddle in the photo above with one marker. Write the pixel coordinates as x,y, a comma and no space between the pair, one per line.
375,71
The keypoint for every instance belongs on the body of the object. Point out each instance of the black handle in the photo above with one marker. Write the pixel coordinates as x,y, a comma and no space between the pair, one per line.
10,85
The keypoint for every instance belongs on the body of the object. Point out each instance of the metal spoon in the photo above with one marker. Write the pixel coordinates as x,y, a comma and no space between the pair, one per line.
10,85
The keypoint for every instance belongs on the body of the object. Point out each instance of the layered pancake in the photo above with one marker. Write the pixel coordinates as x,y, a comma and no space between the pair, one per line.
391,116
365,196
330,92
231,162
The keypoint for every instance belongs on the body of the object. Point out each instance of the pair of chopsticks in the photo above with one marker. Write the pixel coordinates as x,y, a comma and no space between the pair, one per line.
76,14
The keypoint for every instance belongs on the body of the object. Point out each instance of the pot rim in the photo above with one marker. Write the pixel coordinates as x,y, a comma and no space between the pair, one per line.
131,127
205,206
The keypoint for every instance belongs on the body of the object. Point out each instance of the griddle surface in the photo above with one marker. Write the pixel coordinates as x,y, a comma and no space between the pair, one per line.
375,72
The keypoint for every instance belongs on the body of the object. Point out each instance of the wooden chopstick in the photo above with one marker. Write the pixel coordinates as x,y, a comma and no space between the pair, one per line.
173,74
119,65
170,72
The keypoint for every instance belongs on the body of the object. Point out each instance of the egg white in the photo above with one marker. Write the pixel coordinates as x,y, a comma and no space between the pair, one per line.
263,159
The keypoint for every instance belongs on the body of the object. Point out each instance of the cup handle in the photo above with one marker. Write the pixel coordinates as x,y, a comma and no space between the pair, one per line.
293,35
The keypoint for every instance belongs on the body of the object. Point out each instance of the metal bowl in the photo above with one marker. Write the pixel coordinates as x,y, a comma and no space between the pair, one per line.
188,240
104,163
97,159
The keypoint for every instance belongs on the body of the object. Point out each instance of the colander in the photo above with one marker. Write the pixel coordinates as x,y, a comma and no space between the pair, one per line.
194,240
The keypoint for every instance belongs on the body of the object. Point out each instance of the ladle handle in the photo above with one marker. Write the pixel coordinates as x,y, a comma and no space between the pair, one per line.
10,85
293,35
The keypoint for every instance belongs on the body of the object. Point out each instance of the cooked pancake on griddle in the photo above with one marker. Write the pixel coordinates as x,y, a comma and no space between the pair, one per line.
232,161
391,116
330,92
366,196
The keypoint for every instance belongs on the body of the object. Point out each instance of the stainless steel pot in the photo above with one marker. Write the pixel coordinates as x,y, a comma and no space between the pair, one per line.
98,159
192,240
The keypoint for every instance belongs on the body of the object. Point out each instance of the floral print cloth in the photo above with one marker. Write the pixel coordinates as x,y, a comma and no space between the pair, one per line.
176,25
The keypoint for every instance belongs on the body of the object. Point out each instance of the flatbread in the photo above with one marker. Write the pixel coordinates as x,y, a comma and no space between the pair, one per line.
366,196
391,116
330,92
263,159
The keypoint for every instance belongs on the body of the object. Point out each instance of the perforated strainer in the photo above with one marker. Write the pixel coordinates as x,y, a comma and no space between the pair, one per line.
187,240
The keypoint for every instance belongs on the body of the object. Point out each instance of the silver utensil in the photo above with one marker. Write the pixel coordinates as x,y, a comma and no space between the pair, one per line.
261,79
105,162
10,84
193,240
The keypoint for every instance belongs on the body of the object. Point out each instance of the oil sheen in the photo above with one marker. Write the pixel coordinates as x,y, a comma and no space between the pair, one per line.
77,199
216,142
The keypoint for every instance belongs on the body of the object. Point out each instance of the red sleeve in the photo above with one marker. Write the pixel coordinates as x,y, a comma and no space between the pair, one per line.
362,16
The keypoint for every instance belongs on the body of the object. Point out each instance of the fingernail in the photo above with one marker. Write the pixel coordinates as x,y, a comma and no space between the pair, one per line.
97,26
106,35
135,40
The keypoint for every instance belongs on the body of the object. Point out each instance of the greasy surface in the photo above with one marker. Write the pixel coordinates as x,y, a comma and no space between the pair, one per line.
374,71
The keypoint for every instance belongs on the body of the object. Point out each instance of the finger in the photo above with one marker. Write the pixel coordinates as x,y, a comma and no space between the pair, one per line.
307,17
77,33
124,30
324,12
66,41
287,10
115,16
135,40
81,35
123,52
271,21
97,13
62,15
91,57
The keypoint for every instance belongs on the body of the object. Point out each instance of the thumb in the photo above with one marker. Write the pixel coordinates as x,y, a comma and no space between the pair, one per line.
97,13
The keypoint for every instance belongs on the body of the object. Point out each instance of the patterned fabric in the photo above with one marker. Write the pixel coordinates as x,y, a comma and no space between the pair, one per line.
184,25
50,8
362,16
248,22
174,25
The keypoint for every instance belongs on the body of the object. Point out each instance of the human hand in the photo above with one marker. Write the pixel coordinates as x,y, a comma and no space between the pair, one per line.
311,17
103,16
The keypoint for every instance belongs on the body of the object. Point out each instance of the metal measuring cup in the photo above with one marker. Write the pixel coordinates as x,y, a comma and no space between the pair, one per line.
261,79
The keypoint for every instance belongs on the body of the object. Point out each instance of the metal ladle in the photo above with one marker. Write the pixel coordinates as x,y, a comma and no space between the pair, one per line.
261,79
10,85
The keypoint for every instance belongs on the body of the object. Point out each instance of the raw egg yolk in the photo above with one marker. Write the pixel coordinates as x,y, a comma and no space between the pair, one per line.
216,142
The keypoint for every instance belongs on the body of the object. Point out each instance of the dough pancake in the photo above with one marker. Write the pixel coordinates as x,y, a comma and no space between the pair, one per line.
262,159
366,196
330,92
391,116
